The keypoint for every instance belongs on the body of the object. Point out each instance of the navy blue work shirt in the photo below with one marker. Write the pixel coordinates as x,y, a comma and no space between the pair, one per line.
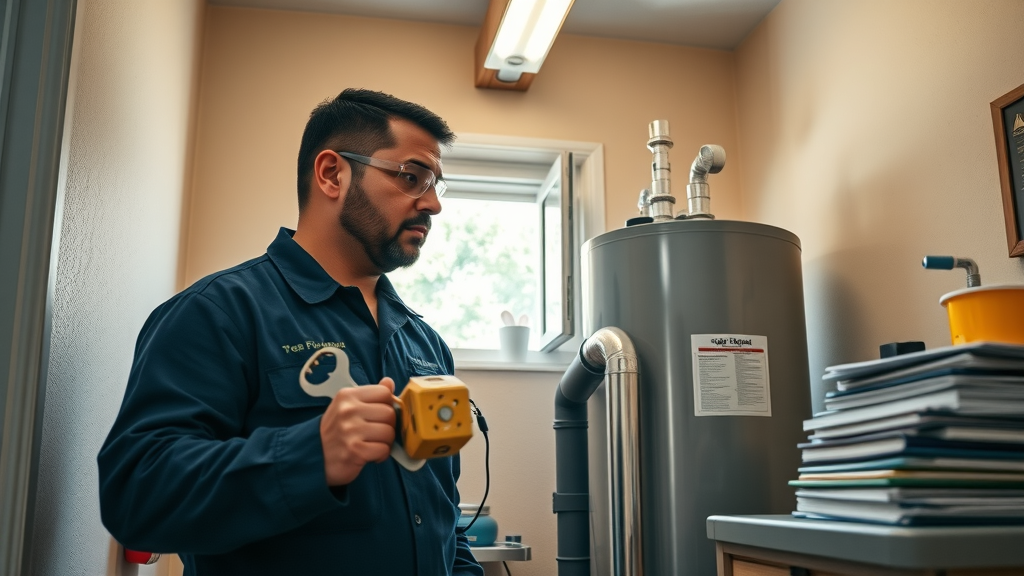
216,452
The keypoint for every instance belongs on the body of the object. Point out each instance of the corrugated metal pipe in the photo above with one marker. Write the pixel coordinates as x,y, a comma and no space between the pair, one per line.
606,356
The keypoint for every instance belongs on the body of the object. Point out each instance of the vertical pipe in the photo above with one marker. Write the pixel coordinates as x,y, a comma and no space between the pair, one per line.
624,471
662,202
609,349
571,500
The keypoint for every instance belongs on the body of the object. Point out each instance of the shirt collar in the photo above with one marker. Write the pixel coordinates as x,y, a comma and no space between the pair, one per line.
300,270
309,280
386,289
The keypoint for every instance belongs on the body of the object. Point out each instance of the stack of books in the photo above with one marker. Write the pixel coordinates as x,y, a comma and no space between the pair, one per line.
927,438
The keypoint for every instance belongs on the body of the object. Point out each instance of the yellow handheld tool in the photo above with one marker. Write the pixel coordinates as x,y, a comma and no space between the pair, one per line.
432,414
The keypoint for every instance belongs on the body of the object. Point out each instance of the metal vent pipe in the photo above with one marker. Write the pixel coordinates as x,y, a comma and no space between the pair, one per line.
710,160
607,356
662,202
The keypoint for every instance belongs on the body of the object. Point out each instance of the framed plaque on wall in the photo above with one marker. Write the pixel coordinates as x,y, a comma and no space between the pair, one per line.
1008,122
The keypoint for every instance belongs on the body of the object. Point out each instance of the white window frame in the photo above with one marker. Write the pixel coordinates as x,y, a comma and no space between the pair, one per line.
588,203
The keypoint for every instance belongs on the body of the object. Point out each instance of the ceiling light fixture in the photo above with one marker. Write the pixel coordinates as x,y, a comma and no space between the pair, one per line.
514,40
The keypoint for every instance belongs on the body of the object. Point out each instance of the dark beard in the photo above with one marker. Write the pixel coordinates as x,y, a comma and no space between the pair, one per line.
361,219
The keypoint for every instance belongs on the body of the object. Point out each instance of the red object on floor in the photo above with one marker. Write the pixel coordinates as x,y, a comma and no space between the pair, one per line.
136,557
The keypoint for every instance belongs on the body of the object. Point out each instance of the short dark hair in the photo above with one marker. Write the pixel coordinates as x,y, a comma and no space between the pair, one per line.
357,121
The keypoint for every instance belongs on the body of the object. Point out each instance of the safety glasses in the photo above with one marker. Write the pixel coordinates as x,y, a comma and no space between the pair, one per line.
412,179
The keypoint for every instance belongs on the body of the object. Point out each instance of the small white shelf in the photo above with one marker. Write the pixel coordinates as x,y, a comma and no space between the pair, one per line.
502,552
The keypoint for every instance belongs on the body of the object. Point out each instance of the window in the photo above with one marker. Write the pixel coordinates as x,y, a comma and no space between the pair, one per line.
508,238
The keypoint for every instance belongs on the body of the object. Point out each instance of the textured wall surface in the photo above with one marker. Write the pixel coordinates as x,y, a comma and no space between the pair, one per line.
865,129
129,109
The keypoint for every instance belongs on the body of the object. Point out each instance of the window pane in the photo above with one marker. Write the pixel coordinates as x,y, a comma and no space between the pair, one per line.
555,200
481,257
552,207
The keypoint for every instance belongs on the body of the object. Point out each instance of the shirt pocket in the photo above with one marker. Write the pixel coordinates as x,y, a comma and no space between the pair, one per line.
289,394
359,503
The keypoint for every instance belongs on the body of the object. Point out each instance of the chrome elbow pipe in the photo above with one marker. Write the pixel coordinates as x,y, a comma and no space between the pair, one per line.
710,160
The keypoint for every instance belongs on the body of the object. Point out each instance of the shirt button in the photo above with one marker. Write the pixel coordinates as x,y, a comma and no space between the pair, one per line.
417,519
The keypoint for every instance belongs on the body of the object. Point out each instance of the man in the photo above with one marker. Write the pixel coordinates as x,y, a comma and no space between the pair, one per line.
218,454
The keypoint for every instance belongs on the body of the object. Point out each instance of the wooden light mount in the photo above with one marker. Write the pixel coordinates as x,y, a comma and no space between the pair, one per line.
486,78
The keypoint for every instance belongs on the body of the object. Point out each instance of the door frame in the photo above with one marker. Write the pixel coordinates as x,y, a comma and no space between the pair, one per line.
35,63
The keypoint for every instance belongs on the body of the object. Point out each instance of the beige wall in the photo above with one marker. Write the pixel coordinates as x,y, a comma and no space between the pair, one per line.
263,71
865,129
126,148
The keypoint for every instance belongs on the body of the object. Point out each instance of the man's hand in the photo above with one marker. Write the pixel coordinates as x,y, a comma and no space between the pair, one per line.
358,427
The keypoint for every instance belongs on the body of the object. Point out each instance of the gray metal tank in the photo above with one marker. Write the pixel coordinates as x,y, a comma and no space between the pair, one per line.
661,283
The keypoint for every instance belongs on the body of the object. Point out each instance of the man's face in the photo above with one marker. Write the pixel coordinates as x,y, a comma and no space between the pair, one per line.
389,225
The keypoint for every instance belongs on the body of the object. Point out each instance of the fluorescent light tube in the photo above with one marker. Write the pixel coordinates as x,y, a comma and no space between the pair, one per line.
525,35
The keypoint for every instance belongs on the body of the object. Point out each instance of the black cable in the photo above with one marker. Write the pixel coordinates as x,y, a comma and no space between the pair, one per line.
482,424
507,571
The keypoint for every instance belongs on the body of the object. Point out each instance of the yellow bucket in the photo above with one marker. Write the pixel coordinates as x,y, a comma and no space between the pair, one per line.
986,313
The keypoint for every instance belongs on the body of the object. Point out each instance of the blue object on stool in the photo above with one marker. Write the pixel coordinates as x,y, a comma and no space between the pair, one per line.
484,531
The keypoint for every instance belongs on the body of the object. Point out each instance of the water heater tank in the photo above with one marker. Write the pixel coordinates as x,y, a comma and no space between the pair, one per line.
715,310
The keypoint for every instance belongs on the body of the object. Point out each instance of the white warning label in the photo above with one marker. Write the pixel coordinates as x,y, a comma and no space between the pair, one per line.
730,375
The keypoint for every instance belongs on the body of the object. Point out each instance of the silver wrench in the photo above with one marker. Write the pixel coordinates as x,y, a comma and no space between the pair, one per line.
338,379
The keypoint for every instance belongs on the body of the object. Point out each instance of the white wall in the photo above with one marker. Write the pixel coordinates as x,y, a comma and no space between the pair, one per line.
130,112
865,129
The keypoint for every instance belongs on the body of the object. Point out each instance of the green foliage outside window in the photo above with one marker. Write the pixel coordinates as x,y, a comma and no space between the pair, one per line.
481,257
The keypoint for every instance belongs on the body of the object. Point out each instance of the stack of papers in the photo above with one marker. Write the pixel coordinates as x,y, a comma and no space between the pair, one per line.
929,438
